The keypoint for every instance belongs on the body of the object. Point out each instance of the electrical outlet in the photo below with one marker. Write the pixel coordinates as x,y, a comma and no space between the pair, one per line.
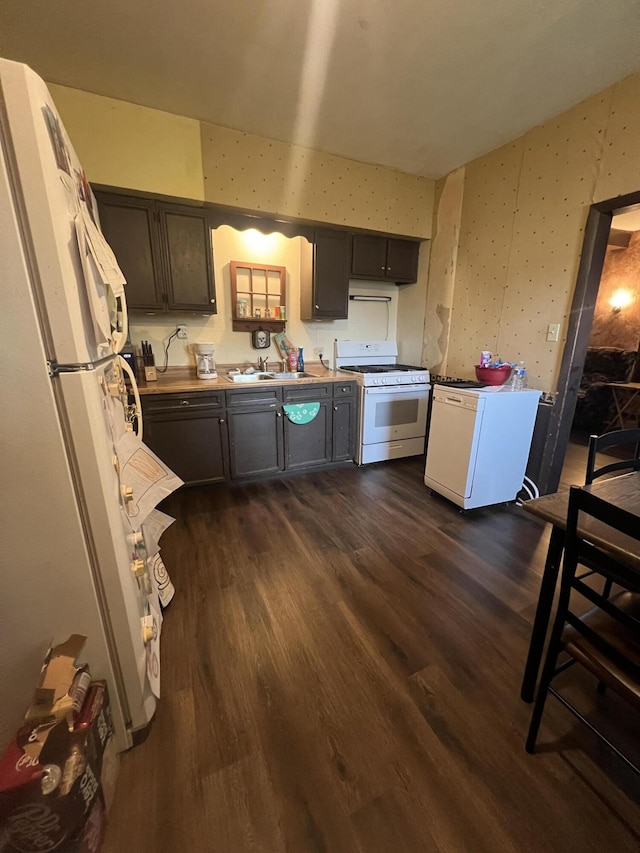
317,352
182,331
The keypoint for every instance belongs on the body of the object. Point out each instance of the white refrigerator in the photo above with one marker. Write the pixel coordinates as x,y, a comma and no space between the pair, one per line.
73,507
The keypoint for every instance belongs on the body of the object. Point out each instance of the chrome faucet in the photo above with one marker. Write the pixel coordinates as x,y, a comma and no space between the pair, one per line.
263,364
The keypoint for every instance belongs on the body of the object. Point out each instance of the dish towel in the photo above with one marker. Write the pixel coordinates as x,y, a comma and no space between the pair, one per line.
301,413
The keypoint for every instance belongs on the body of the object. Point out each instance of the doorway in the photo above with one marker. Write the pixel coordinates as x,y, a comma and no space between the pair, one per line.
592,259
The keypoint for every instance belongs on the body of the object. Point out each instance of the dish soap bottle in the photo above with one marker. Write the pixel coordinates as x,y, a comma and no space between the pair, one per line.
300,360
293,360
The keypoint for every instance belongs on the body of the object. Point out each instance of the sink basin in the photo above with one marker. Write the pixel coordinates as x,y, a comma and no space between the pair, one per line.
259,376
293,375
249,377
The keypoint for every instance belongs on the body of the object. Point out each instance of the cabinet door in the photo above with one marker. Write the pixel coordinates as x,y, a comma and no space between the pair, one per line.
131,230
193,444
255,442
369,256
331,264
402,260
189,259
308,445
344,429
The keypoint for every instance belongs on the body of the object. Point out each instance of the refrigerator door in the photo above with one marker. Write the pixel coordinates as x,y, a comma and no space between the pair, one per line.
52,545
57,221
95,417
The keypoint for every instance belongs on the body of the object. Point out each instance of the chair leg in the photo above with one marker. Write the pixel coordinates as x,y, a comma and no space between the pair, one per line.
606,590
538,708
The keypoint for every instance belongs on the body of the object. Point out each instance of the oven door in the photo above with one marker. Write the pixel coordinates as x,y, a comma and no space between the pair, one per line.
394,413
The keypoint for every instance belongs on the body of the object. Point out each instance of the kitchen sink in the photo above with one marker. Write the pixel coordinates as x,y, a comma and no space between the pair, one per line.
249,377
293,375
260,377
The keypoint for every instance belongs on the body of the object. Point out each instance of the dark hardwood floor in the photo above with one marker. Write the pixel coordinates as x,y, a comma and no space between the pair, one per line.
341,672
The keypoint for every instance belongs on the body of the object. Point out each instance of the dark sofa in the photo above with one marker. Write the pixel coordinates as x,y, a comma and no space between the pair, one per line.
595,408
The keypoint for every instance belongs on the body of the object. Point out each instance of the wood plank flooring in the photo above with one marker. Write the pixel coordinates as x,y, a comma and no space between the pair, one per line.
341,673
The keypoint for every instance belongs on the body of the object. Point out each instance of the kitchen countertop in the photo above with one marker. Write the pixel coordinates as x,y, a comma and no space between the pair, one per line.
182,379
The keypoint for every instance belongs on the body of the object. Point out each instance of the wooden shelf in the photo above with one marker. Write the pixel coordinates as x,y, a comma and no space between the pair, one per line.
249,324
264,287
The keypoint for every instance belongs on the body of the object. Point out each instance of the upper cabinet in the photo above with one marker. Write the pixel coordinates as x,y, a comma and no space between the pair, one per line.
324,294
384,259
164,250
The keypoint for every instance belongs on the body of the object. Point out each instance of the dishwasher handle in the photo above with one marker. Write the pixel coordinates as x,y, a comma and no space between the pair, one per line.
448,398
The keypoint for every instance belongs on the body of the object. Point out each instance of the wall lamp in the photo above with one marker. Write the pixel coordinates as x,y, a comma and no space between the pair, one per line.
619,300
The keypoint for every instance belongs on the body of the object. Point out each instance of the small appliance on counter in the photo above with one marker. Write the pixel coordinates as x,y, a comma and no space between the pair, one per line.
205,361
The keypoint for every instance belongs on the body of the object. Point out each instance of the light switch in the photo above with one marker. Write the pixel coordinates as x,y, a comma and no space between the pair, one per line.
553,331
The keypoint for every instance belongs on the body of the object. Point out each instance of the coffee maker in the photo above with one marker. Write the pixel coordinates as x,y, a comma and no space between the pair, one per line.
205,362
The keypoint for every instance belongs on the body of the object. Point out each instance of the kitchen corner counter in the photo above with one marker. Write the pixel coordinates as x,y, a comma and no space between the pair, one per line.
183,379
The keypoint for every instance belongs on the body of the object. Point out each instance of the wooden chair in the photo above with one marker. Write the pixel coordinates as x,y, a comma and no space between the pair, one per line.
617,438
606,640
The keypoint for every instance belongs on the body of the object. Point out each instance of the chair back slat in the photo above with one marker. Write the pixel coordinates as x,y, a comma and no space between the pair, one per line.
616,438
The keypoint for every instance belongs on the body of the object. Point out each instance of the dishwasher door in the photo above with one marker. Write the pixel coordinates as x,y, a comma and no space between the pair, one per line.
456,419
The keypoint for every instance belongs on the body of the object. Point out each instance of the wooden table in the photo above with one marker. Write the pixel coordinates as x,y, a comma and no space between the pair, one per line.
623,491
626,396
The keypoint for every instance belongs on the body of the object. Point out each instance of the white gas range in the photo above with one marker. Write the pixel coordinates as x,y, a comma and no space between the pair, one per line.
393,400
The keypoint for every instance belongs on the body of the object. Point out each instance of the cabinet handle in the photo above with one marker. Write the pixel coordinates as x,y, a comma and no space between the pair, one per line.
184,402
278,414
318,307
388,269
382,268
221,421
335,408
213,300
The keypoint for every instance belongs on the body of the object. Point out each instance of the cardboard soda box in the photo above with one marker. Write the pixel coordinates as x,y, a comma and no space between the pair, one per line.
50,792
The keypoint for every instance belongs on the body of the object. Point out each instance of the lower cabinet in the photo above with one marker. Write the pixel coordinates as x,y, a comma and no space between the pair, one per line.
208,437
189,435
255,441
308,445
344,429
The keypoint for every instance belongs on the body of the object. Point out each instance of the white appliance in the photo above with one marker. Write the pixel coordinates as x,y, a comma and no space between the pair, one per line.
69,544
205,361
393,400
478,444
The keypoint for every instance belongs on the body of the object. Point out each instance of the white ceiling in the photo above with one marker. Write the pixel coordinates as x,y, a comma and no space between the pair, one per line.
627,221
420,85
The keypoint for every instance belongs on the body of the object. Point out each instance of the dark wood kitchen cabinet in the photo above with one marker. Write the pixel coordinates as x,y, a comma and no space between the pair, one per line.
256,443
189,433
344,421
384,259
164,250
326,295
308,445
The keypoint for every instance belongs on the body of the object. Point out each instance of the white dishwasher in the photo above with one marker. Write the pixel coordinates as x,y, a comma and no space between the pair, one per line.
478,443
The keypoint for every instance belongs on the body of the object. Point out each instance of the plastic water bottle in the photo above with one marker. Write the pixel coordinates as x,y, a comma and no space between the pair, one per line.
519,377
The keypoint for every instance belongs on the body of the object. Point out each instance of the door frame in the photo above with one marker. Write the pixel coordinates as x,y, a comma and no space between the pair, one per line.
592,257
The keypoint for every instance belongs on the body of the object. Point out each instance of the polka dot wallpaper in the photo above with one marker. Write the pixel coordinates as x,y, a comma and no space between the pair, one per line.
523,215
261,174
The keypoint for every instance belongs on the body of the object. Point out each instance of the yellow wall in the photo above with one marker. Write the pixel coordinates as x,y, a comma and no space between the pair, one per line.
125,145
524,210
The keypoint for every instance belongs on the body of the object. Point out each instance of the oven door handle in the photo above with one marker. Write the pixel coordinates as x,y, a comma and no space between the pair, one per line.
398,389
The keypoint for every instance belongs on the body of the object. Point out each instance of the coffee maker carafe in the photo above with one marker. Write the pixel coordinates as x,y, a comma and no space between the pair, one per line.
205,362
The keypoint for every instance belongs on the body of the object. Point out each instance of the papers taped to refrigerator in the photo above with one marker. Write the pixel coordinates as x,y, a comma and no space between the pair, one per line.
103,277
144,479
153,527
